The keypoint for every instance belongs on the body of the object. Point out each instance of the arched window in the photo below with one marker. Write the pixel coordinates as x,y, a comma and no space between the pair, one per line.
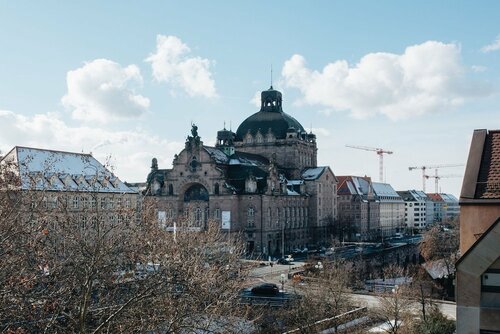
216,189
258,138
196,192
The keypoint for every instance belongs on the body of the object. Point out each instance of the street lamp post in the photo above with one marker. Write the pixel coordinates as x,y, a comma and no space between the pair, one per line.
289,259
283,240
319,266
282,281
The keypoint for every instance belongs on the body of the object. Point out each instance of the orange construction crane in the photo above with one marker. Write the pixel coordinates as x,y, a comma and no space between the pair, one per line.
380,152
436,167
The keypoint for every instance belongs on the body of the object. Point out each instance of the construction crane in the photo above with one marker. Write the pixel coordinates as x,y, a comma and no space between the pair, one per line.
424,168
380,152
439,177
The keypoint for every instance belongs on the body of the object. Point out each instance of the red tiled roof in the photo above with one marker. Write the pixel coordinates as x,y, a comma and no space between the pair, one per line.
488,181
435,197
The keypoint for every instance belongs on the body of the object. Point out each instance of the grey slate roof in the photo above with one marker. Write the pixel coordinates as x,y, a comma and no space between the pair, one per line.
41,169
313,173
385,192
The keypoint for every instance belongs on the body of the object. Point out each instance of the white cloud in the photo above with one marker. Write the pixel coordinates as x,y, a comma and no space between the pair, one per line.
256,99
103,90
131,151
478,68
493,46
321,131
173,64
426,78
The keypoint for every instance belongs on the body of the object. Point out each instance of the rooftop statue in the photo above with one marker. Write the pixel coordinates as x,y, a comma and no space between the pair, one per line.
193,140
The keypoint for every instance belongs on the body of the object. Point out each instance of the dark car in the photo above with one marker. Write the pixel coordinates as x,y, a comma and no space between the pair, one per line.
284,261
266,289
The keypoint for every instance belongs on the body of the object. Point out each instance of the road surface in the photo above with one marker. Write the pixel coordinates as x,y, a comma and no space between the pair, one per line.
272,275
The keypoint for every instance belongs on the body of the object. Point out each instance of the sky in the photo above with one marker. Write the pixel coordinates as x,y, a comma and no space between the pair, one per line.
125,80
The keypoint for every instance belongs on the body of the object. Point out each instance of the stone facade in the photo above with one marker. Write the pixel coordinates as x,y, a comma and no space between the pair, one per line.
261,181
54,186
359,209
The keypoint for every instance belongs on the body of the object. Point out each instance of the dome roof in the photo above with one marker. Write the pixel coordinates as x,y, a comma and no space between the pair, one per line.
270,116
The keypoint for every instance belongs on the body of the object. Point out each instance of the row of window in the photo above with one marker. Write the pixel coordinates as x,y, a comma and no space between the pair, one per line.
295,217
84,220
83,202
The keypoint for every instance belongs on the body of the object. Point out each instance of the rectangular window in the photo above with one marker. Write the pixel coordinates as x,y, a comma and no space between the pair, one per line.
103,203
93,202
94,222
83,221
75,202
53,202
162,219
85,202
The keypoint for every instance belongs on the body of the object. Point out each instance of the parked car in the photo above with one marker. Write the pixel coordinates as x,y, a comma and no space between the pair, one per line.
284,261
266,289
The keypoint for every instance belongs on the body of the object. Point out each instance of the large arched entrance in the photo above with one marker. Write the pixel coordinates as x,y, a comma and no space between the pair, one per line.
195,206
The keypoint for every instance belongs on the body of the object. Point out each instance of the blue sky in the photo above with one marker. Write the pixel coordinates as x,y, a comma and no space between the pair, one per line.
416,78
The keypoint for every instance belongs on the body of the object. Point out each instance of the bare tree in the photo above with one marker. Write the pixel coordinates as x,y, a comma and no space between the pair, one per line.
326,295
98,270
395,306
442,244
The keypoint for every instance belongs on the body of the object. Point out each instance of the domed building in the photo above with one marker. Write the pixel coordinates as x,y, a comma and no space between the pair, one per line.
262,181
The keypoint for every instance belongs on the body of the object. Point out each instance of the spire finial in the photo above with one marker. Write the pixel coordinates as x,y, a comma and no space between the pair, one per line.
271,76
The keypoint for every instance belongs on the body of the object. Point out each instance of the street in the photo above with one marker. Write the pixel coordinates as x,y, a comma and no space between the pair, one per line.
272,275
449,309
